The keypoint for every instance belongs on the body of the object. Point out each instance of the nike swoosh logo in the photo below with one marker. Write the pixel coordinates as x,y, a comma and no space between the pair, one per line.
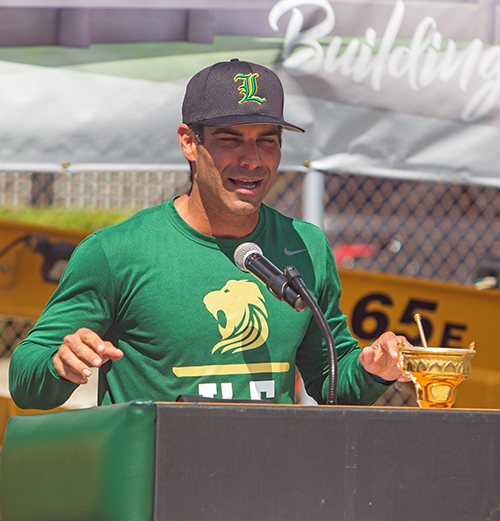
288,252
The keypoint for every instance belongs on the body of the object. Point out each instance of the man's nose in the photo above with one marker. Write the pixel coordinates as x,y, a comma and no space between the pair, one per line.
250,155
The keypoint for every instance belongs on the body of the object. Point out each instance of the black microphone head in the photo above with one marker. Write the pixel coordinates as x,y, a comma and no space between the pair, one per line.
243,251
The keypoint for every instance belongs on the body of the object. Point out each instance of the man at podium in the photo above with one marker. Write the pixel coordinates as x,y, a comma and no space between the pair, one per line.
157,304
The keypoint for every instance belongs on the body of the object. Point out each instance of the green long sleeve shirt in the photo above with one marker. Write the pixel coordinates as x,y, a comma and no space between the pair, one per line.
189,321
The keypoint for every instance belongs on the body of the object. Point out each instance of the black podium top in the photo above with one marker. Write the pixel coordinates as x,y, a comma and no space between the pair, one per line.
244,462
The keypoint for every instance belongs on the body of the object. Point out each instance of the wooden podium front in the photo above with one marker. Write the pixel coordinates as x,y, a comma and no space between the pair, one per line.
248,463
239,462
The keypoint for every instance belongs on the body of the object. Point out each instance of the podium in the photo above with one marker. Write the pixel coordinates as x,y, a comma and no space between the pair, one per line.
144,461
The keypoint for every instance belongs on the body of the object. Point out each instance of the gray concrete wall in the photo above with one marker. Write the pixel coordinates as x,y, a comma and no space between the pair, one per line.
51,22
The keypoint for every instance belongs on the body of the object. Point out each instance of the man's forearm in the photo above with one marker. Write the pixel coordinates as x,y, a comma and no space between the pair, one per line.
33,383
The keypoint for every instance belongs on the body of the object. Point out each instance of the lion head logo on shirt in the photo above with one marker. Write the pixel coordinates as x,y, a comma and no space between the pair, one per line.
244,325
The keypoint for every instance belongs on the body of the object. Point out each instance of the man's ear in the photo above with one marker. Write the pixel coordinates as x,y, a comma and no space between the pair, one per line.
187,141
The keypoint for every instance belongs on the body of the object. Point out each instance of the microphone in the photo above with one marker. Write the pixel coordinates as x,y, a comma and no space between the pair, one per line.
249,258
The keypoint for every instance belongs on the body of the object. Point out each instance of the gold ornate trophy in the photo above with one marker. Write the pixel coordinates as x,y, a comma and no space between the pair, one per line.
435,371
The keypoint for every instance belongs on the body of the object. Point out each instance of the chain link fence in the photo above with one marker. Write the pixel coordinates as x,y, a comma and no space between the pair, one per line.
439,231
12,331
134,190
446,232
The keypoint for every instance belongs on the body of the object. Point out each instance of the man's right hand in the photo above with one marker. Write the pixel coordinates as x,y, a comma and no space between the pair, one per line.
80,353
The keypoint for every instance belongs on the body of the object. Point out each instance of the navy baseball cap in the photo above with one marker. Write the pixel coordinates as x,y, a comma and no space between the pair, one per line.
235,93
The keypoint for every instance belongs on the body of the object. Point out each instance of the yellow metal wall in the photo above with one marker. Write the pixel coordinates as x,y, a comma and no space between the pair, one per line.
455,315
23,292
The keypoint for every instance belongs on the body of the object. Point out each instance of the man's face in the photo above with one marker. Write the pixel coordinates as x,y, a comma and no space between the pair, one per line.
235,167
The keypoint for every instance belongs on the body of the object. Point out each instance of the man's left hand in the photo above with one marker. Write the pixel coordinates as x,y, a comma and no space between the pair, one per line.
381,357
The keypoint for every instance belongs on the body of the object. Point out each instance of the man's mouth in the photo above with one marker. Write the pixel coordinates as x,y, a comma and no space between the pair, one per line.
248,185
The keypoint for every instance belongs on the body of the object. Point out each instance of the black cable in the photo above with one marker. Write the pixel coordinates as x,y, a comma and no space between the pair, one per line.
24,238
298,284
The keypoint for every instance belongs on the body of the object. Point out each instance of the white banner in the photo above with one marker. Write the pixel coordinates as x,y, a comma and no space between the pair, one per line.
389,88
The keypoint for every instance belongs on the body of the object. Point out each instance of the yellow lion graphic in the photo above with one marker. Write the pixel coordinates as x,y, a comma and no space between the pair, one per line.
246,317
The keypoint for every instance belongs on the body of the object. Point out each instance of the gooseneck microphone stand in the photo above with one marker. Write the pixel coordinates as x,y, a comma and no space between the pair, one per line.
296,282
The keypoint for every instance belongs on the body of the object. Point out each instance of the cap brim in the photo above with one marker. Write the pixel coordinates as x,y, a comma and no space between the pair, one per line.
248,119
